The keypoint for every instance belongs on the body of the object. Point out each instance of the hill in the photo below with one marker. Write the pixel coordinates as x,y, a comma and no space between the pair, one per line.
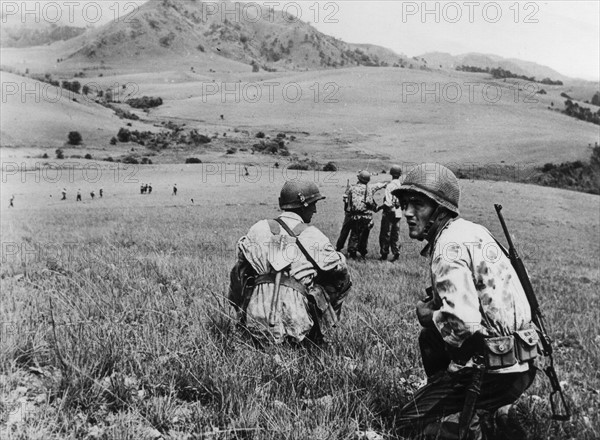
26,36
192,30
483,61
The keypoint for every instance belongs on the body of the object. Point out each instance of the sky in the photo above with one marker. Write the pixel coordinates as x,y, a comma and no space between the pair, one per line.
564,35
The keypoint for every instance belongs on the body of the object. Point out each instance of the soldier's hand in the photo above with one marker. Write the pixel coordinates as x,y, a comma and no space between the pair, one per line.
425,311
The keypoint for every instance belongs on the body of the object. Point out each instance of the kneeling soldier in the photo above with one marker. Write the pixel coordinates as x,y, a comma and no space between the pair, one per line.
289,282
477,341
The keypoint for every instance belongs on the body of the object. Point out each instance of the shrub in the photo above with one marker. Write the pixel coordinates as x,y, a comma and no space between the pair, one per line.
146,161
75,138
60,154
231,150
330,166
123,135
88,156
130,160
109,159
45,156
113,141
144,102
193,160
260,135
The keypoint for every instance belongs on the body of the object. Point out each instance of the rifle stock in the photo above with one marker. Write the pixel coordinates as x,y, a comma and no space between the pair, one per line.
538,319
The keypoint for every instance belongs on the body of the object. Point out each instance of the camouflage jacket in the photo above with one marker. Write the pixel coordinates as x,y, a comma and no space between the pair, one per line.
360,200
475,286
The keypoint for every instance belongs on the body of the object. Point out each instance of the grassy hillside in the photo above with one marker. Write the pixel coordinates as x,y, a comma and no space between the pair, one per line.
356,116
119,329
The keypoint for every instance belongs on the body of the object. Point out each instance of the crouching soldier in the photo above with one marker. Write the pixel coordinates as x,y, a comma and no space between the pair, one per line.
289,282
477,341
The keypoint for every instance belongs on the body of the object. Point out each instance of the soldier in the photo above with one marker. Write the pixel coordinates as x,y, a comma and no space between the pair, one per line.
361,205
92,194
12,199
389,233
149,188
142,188
78,195
175,189
101,192
289,282
477,332
64,194
346,226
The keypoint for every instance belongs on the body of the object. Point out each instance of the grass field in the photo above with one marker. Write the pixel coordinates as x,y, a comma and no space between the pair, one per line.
114,324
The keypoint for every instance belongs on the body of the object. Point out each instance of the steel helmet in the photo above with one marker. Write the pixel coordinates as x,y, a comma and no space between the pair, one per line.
436,182
298,194
364,176
396,170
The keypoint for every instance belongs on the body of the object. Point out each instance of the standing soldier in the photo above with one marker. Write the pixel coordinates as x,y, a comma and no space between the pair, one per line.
64,194
175,189
341,241
101,192
389,234
149,188
12,199
79,195
477,342
92,194
142,188
361,205
289,282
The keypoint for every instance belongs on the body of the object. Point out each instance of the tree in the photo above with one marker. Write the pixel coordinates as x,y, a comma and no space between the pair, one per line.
75,138
60,154
596,99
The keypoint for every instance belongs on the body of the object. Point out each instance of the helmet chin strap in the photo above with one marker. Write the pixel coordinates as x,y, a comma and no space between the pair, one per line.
432,219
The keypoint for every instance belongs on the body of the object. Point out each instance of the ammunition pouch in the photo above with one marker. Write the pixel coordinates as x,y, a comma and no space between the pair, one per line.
506,351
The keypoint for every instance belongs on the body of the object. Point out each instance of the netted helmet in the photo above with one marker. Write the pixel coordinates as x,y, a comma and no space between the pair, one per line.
364,176
436,182
297,194
396,171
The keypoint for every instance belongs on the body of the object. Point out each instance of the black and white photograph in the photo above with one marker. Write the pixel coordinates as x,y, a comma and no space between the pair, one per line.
299,220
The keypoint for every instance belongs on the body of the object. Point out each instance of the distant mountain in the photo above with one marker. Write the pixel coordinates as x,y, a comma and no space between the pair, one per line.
182,27
26,36
520,67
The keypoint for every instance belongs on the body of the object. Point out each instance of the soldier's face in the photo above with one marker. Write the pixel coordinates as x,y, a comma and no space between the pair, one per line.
308,212
417,210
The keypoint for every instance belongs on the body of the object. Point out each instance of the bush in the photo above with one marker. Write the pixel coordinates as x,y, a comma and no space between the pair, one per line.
45,156
260,135
330,166
88,156
193,160
60,154
109,159
231,150
123,135
74,138
144,102
130,160
113,141
146,161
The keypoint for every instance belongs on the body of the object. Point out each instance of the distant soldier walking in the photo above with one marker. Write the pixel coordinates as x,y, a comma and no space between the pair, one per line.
10,202
101,192
175,189
64,194
478,343
289,283
78,195
361,205
389,234
92,194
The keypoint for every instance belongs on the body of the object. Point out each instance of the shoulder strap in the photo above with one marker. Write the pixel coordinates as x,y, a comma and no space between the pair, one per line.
274,227
302,248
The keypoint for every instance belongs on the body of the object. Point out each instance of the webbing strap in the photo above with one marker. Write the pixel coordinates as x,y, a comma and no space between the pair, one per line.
302,248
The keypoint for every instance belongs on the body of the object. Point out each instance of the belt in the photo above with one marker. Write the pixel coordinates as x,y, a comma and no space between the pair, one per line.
286,280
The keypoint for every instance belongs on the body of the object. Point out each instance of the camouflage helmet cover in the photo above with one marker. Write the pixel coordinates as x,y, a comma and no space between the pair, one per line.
434,181
298,194
396,170
364,176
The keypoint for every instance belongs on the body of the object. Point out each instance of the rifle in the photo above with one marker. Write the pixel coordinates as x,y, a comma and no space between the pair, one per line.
538,320
346,195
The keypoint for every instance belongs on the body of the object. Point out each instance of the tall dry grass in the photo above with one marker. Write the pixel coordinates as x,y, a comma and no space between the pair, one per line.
115,326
